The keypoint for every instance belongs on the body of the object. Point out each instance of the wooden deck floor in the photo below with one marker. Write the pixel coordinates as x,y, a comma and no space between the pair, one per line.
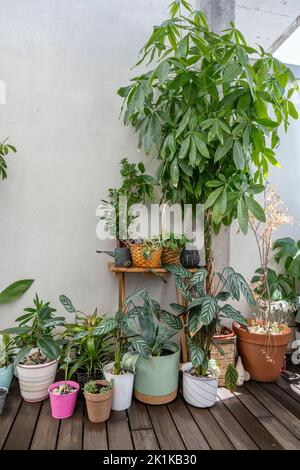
257,416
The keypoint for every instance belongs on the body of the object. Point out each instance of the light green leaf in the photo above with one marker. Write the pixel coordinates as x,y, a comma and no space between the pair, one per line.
231,377
256,209
174,172
15,290
213,197
163,71
223,149
238,155
242,215
201,145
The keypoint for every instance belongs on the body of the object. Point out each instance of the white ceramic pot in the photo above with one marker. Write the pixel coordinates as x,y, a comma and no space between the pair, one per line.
123,386
199,391
35,380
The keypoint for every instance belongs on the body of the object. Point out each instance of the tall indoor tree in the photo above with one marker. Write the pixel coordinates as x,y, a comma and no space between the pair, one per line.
210,107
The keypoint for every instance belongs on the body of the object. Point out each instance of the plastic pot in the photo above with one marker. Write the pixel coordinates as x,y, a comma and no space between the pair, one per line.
199,391
190,258
156,379
99,404
34,380
6,376
123,386
252,349
122,257
62,406
3,395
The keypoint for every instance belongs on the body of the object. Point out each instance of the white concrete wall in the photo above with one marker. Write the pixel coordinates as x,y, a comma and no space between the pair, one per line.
63,61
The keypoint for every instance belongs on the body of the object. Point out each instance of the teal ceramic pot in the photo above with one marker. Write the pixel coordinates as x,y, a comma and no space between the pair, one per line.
156,379
6,375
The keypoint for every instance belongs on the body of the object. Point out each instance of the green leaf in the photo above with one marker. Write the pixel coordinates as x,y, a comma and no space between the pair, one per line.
238,155
201,145
178,308
267,122
256,209
17,330
247,293
22,353
106,326
232,71
231,377
177,270
80,335
223,149
184,147
198,277
197,354
193,154
15,290
187,169
242,215
292,110
174,172
171,320
163,71
49,347
195,323
213,197
234,314
208,310
141,347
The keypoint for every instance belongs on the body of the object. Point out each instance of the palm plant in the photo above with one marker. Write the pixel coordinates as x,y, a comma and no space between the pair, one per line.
204,312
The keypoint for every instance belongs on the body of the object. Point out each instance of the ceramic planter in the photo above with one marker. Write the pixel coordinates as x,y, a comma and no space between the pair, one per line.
34,380
123,385
199,391
3,394
122,257
156,379
99,404
252,349
190,258
6,375
62,406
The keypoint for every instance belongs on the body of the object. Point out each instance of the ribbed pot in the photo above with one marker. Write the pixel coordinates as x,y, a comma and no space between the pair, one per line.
3,395
252,349
199,391
99,404
122,257
6,375
156,379
123,385
190,258
34,380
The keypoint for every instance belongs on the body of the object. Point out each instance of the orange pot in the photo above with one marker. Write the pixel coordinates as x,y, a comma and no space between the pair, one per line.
99,404
262,355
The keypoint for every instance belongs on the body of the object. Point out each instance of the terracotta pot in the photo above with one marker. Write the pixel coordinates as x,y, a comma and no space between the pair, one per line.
253,347
99,404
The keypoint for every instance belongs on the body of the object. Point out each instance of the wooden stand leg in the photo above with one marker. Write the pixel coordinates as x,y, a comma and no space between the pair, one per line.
184,351
121,277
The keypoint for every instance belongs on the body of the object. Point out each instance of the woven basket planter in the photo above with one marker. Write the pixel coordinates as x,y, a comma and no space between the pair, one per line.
227,343
170,256
139,260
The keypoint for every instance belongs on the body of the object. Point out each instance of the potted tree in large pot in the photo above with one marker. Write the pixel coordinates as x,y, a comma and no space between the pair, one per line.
38,349
264,343
202,315
155,359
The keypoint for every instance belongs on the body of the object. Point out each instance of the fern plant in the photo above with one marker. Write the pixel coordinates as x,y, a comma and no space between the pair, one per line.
204,312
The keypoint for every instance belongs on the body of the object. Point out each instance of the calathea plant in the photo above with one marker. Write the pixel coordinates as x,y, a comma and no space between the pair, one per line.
204,312
210,107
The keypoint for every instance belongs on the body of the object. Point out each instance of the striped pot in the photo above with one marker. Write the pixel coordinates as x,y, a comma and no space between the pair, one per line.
35,380
199,391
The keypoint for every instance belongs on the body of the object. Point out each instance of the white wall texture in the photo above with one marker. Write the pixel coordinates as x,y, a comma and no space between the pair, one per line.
62,62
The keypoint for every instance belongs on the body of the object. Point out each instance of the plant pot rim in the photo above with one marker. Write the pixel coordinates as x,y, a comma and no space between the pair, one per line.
57,384
175,351
38,366
186,368
241,331
230,334
109,368
100,396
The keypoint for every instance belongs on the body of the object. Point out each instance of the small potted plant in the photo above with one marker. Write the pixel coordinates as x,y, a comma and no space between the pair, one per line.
146,253
98,397
155,360
63,394
90,352
7,353
39,351
172,247
203,313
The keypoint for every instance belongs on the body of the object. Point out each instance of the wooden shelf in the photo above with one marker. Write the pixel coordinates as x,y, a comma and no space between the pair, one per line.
133,269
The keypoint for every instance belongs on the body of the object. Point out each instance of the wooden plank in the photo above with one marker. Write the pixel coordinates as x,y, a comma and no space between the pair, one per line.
254,428
234,431
118,432
23,428
94,436
12,405
289,388
70,433
134,269
138,416
253,405
190,433
276,408
164,428
213,433
286,439
145,439
282,397
46,431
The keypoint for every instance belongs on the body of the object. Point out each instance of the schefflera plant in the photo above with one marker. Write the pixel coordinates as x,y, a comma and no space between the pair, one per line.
204,312
210,108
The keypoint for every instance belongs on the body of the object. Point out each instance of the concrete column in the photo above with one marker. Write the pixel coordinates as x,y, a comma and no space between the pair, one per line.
219,15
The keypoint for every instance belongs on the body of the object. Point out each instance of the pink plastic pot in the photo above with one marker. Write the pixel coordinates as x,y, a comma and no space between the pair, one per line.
62,406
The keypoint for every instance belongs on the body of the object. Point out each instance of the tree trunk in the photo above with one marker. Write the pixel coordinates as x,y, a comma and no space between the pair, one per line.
208,250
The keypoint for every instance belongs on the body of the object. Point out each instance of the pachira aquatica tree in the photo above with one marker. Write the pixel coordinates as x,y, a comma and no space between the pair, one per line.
210,107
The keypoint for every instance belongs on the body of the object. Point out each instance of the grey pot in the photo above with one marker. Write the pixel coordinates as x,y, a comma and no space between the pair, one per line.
190,258
3,394
122,257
